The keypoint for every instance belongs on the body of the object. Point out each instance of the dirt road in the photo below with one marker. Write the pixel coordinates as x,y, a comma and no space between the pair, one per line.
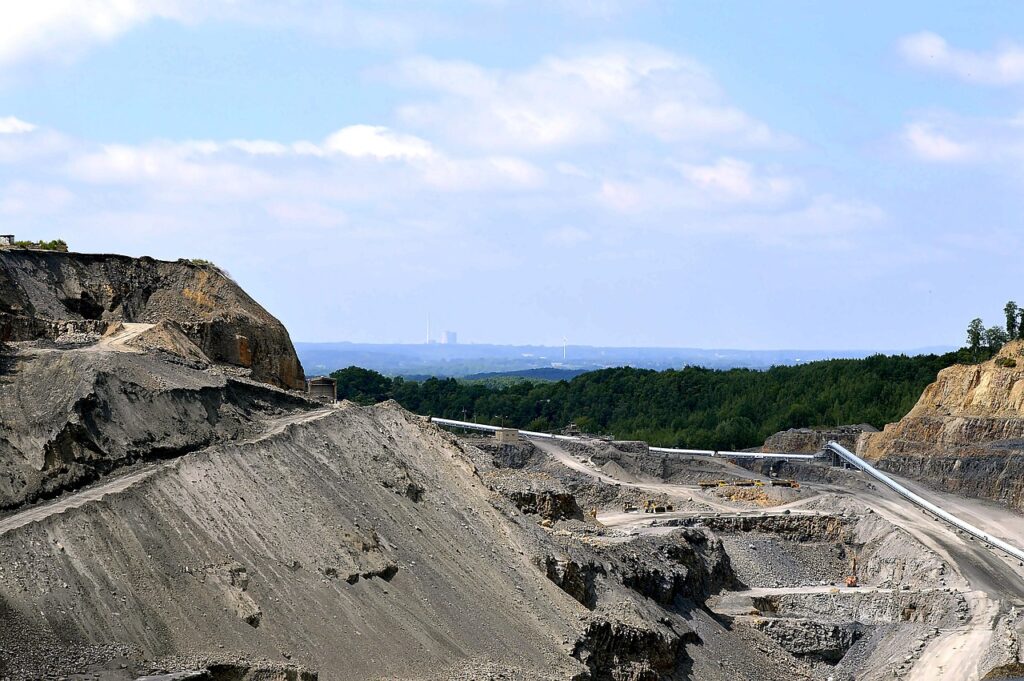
556,452
124,482
119,341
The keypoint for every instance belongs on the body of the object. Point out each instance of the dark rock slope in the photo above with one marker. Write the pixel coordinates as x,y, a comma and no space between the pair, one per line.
362,543
71,416
44,294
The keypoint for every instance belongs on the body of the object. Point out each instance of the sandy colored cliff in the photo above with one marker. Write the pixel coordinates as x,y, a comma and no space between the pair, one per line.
966,432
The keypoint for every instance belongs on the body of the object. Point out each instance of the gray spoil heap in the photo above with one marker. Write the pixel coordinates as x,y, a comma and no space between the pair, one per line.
46,294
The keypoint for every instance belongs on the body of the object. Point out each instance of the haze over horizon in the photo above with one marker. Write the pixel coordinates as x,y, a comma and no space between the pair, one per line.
558,346
623,174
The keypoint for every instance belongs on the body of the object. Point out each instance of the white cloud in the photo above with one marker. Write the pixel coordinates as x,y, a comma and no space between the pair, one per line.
61,29
360,141
10,125
1004,66
931,145
259,147
658,204
584,98
20,148
722,185
824,223
626,197
484,173
356,162
942,137
170,170
730,179
21,198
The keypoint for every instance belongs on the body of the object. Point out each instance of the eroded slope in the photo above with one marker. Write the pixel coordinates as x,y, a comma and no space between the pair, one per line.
343,543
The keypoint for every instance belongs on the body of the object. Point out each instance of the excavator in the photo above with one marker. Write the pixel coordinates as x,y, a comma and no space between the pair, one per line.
851,579
786,483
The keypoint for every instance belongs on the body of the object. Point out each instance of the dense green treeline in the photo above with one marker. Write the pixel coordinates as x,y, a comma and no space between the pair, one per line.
692,406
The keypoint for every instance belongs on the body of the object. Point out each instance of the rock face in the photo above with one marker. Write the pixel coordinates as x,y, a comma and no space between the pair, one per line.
69,417
966,433
939,607
48,294
536,493
820,641
812,440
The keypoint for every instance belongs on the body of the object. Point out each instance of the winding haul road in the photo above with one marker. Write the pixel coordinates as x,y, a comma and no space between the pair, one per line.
994,578
1011,548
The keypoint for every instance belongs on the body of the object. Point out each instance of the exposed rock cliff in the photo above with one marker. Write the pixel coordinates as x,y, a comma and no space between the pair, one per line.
812,440
48,295
69,417
966,433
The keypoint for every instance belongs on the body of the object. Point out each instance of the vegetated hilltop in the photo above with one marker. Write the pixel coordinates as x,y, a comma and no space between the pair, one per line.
966,432
47,294
692,406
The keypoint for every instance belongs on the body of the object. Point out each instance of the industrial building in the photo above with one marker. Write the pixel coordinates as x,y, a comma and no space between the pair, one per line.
322,389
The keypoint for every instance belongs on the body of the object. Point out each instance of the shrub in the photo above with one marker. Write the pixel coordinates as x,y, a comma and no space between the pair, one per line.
54,245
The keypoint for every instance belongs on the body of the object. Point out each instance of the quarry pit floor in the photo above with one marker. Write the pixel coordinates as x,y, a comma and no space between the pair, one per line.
991,583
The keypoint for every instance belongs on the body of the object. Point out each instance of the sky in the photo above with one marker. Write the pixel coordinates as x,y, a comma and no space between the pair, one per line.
627,173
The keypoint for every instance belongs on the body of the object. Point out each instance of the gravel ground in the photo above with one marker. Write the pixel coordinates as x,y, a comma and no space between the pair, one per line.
761,560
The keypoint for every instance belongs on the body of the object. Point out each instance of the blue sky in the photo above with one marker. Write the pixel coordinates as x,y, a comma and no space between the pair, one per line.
743,174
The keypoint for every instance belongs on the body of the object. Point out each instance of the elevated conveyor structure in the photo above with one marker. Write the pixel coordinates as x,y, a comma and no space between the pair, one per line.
859,463
833,447
657,450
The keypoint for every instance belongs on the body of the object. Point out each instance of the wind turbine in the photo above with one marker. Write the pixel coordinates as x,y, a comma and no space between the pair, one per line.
565,345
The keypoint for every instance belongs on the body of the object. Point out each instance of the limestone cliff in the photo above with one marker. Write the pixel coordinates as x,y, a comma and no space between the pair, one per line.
47,294
966,432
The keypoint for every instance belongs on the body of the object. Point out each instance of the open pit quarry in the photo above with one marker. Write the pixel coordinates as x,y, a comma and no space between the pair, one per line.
172,508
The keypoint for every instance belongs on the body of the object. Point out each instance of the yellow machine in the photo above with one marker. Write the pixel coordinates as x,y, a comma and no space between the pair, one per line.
786,483
652,506
708,484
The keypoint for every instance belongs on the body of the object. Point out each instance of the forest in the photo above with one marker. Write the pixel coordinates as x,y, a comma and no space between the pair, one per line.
692,406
